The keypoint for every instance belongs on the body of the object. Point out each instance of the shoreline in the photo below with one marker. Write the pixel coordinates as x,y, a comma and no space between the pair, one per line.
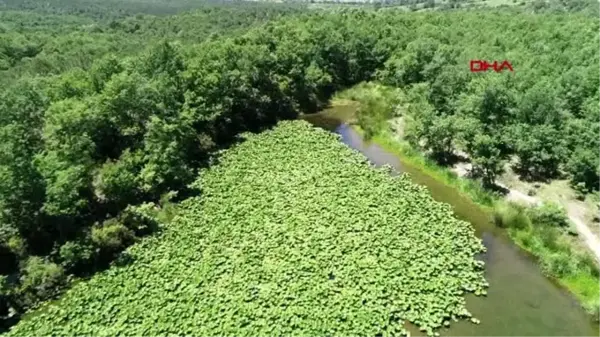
577,286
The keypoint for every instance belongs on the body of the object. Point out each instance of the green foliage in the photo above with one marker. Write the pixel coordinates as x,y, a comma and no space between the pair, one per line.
544,242
584,167
44,38
486,159
40,279
284,225
424,130
92,123
587,262
377,105
116,181
511,216
133,11
17,245
593,308
371,116
559,264
549,214
75,255
541,152
523,113
111,236
541,237
146,217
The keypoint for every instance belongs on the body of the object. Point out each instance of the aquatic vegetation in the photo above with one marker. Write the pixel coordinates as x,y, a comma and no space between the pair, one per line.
294,234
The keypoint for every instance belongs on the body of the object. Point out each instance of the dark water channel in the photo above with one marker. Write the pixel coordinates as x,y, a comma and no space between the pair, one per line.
521,301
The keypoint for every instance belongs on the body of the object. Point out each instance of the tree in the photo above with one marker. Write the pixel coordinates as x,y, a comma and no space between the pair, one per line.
165,157
410,67
67,160
447,86
540,150
549,215
102,71
487,159
573,90
117,181
429,129
541,104
74,83
584,168
22,187
377,104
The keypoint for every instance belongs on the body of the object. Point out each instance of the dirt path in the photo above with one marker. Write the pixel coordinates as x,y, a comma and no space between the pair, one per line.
591,240
514,195
574,212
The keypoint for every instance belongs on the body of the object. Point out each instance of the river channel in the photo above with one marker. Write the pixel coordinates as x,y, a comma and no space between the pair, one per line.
521,301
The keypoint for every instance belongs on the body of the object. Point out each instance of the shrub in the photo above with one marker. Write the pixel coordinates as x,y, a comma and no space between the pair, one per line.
549,237
40,280
593,307
141,219
116,181
17,246
587,262
74,255
377,105
511,216
559,264
371,116
549,214
525,238
112,236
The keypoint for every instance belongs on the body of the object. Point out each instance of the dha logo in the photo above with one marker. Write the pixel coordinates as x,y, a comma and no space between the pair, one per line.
479,65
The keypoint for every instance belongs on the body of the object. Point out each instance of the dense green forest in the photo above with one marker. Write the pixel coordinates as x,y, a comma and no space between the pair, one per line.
118,9
49,39
106,117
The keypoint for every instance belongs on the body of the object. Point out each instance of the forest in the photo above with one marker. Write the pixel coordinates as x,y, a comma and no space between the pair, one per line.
110,111
49,40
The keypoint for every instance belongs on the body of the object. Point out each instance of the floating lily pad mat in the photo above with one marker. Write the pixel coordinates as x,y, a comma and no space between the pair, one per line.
293,234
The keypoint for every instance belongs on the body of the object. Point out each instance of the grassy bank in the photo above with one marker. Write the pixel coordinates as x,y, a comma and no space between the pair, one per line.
531,229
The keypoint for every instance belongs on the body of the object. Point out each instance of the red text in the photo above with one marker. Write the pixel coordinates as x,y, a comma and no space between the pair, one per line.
479,65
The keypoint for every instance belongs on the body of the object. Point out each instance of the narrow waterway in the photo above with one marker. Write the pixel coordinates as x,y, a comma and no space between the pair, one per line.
521,301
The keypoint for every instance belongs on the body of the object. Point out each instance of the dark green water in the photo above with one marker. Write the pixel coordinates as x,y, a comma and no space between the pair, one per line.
521,301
